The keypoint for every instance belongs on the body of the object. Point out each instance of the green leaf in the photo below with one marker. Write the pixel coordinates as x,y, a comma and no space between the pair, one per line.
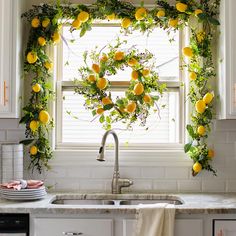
190,131
187,147
213,21
26,141
202,16
102,119
24,119
94,112
108,107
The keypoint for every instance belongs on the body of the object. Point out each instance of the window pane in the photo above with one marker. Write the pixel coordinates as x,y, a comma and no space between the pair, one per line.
166,53
163,125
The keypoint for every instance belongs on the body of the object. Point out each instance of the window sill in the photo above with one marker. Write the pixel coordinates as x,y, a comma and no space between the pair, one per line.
142,157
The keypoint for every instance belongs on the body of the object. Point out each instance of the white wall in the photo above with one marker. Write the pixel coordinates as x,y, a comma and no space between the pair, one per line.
158,176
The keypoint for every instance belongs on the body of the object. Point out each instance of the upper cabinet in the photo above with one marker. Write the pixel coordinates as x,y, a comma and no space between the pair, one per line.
10,51
227,61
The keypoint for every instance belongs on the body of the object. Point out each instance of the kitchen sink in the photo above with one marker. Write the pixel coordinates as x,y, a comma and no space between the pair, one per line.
115,199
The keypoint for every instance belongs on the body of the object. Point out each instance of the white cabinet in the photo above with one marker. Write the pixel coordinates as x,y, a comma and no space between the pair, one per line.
224,227
9,58
227,61
183,227
188,227
70,226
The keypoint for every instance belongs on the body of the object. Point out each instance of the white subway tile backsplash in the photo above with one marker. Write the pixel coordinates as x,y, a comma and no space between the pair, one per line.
225,125
189,186
153,172
156,177
177,172
79,172
213,185
15,135
165,186
89,184
102,172
2,135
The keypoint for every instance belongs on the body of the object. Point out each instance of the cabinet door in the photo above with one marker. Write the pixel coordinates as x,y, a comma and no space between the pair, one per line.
67,227
9,58
227,61
224,227
188,227
183,227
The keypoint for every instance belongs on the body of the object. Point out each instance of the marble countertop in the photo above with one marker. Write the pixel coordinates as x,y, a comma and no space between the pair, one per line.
192,204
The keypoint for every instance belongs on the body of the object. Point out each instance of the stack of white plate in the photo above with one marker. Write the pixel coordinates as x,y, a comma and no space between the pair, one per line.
23,194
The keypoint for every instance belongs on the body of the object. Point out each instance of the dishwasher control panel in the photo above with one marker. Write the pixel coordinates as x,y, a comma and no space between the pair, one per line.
14,223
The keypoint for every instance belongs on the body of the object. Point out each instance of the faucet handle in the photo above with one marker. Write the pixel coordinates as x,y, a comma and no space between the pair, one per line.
125,182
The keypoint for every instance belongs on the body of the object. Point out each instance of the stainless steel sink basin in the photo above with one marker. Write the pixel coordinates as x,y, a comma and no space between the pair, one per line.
115,199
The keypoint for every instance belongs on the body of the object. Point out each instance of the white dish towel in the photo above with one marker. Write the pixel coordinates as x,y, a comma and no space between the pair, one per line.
155,220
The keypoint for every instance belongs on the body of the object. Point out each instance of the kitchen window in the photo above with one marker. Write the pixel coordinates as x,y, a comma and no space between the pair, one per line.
77,128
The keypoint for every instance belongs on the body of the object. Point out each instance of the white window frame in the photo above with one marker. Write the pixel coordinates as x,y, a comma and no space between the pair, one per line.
165,150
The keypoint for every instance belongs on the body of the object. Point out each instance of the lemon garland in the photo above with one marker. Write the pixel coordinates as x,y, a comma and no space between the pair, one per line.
137,100
46,21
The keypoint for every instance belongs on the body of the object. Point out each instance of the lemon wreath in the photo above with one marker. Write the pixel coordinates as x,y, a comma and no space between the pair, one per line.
136,103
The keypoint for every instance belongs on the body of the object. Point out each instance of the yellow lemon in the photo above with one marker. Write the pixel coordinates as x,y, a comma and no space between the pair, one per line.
34,125
45,22
96,68
83,16
198,11
125,23
32,57
208,98
104,58
173,22
181,6
161,13
201,130
200,106
192,75
111,16
197,167
134,75
187,51
35,22
44,117
132,62
99,111
141,13
146,72
138,89
41,41
33,150
56,37
48,65
211,153
106,101
147,98
36,88
102,83
131,107
119,56
201,36
76,23
91,78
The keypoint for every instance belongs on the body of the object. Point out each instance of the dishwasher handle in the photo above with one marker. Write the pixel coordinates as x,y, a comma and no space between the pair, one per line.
72,233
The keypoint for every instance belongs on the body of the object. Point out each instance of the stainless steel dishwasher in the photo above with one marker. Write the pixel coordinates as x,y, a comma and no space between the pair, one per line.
14,224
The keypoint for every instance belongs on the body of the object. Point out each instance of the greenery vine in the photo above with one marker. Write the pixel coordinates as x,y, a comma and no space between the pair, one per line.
46,21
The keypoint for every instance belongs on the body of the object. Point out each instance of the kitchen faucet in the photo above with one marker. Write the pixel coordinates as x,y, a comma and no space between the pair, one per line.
117,182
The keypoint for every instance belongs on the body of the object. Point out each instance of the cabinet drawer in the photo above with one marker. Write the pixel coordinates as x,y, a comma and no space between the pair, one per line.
62,226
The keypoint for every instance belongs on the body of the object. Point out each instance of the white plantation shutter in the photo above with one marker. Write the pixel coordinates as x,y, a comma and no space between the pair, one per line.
78,127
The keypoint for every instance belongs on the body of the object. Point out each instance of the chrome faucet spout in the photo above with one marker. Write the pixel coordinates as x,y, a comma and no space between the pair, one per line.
117,182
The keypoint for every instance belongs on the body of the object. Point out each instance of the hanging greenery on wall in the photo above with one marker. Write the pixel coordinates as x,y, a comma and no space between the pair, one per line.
46,22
